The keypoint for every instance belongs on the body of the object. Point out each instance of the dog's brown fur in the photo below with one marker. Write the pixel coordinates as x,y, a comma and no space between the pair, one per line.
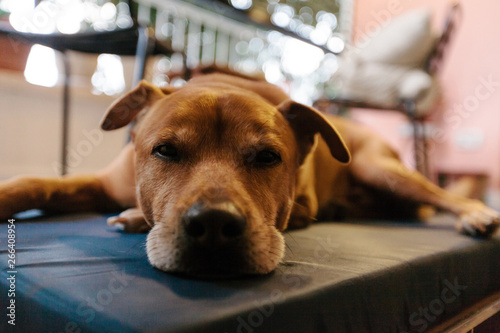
238,148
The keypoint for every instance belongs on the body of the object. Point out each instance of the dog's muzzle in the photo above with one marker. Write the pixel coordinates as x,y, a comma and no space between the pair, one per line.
215,240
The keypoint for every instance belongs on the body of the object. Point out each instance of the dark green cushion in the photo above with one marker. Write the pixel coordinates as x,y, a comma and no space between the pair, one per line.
75,272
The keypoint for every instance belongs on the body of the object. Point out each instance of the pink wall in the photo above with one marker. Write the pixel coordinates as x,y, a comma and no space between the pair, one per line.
469,113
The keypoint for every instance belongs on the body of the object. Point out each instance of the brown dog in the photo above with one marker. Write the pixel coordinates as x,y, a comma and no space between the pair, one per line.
222,165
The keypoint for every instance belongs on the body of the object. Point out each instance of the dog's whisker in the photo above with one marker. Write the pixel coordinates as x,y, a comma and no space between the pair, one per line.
300,205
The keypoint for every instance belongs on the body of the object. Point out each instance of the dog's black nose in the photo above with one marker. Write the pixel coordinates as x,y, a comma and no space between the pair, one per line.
214,226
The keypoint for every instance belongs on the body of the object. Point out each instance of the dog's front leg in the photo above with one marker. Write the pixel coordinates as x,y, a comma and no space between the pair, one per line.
382,169
65,194
131,220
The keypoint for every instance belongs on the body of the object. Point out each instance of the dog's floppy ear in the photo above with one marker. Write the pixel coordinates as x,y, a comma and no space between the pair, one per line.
126,108
306,122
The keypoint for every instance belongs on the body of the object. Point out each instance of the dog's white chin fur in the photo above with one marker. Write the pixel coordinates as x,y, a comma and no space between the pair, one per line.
265,250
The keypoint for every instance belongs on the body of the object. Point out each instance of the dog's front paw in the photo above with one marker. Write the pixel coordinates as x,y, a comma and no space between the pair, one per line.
482,222
130,221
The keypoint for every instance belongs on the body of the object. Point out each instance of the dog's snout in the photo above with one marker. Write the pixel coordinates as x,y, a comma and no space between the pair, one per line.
214,226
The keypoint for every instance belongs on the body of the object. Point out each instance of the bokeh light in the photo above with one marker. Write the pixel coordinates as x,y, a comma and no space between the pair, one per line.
241,4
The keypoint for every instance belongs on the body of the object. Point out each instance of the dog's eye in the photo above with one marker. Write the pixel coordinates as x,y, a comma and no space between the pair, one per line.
167,152
266,158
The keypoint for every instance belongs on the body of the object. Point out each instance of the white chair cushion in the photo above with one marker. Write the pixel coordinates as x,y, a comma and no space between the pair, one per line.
384,84
387,69
406,40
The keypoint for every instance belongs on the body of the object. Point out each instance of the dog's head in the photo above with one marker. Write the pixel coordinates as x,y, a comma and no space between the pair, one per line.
215,173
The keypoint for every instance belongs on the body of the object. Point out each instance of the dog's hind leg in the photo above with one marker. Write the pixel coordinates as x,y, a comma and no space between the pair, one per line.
377,165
